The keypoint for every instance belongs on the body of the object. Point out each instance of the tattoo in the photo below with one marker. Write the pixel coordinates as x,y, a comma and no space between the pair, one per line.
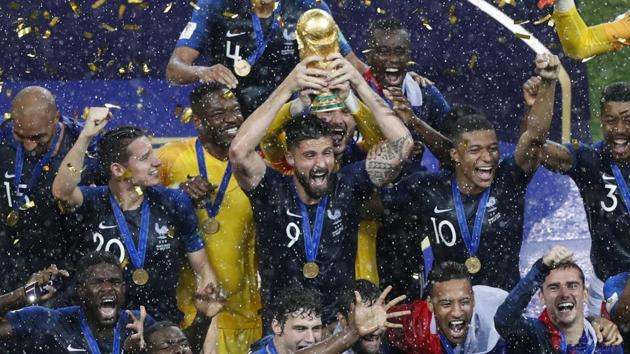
384,160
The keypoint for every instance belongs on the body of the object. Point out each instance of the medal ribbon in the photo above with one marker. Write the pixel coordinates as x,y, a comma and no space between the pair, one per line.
472,243
621,183
445,344
135,254
312,237
37,170
89,337
212,208
261,42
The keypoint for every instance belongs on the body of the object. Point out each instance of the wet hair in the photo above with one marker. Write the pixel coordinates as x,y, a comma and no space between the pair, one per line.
307,128
156,327
112,147
569,265
369,293
304,301
200,92
463,119
386,25
616,92
446,271
91,259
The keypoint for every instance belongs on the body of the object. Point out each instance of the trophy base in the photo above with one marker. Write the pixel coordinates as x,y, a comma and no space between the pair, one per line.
327,101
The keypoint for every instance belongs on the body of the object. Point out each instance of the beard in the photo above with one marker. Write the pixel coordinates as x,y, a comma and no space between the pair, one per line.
315,193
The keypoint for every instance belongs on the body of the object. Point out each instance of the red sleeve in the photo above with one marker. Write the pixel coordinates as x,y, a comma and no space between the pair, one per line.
415,337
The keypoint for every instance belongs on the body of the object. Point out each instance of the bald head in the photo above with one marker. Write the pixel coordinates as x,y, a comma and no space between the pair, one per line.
34,113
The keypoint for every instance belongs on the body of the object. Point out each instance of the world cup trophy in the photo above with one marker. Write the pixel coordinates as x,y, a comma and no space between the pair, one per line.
318,35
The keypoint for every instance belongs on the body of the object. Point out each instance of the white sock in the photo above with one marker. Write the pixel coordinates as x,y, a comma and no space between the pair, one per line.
564,5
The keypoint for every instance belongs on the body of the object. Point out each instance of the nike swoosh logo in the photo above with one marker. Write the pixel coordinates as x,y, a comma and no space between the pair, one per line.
102,226
291,214
7,175
230,34
439,211
71,349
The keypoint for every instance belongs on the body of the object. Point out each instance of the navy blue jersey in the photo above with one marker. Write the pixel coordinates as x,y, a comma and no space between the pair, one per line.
172,233
279,240
429,199
46,330
37,240
224,30
608,219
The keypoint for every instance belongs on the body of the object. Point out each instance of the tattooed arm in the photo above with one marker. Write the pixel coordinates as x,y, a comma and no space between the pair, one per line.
384,161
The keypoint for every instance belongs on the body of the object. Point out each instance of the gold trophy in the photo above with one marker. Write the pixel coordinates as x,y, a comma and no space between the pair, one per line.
318,34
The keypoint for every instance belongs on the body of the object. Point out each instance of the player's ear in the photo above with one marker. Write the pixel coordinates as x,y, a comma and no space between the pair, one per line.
454,155
119,171
197,122
276,327
290,159
342,320
430,304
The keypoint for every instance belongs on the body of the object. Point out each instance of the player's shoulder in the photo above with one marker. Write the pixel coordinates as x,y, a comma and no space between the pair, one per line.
177,149
615,284
169,198
211,4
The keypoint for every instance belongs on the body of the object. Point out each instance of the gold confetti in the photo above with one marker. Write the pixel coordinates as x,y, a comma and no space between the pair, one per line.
171,232
46,168
86,112
365,51
34,15
122,71
542,20
92,67
23,32
367,3
121,11
228,94
380,11
55,20
551,23
124,263
451,71
452,19
230,15
107,27
16,241
28,205
587,59
98,3
46,14
195,6
426,24
14,5
145,68
47,34
186,115
168,7
9,92
88,35
280,22
135,1
522,35
506,2
1,85
7,115
140,91
132,27
126,175
75,8
472,64
521,22
139,190
111,106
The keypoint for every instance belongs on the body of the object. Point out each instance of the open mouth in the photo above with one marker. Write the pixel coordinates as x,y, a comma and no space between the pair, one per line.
107,307
457,328
393,76
565,307
619,146
338,133
371,339
485,173
319,177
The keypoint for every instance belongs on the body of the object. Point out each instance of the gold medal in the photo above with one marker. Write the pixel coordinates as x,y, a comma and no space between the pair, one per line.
13,218
242,68
210,226
310,270
140,276
473,265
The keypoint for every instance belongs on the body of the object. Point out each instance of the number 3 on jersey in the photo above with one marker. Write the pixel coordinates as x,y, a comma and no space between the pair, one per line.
611,193
439,229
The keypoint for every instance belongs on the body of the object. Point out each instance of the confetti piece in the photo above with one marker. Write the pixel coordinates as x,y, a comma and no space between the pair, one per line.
86,111
55,20
542,20
139,190
230,15
228,94
7,115
1,85
426,24
107,27
140,91
132,27
121,11
587,59
472,64
135,1
280,22
194,6
47,34
34,15
98,3
170,5
521,22
23,32
145,68
92,67
452,19
46,14
75,8
380,11
46,168
14,5
365,51
16,241
122,71
29,204
88,35
111,106
30,55
186,115
522,35
367,3
551,23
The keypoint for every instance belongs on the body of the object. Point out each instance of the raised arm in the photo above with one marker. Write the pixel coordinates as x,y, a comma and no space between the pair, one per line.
248,167
181,70
384,160
65,187
532,140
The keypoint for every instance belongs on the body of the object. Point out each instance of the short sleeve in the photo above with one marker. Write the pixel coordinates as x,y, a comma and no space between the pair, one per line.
31,320
91,196
187,222
197,30
344,46
585,168
613,289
